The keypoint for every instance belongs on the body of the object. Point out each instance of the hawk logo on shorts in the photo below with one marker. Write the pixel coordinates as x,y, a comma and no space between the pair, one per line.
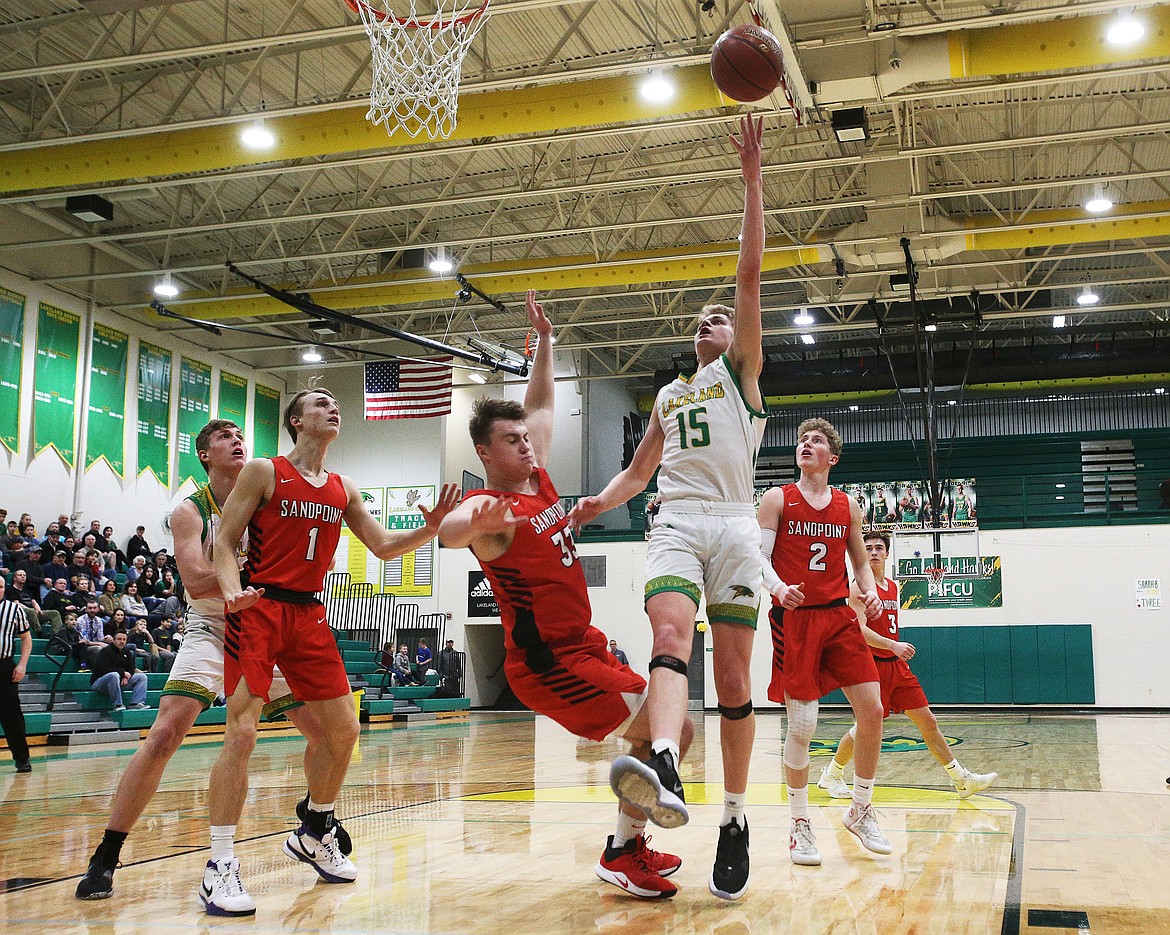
739,590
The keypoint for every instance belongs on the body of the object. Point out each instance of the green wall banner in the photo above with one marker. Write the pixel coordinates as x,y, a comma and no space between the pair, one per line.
266,435
154,411
105,433
233,398
55,382
11,360
960,581
194,413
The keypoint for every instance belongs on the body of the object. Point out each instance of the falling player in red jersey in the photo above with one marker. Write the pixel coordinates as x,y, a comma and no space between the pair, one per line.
806,529
557,663
292,508
901,692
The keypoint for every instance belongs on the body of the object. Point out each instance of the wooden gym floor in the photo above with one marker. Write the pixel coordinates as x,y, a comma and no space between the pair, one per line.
493,824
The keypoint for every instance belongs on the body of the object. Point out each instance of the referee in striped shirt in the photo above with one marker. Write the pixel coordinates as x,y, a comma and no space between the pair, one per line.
13,623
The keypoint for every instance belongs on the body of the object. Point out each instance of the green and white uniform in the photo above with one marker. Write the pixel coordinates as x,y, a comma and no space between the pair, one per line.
705,538
198,669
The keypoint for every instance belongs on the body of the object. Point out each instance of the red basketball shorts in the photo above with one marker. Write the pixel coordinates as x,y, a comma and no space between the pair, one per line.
816,650
900,688
587,691
294,636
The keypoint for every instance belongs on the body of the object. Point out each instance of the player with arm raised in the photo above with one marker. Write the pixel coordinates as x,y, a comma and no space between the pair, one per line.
900,690
705,432
557,663
806,529
292,509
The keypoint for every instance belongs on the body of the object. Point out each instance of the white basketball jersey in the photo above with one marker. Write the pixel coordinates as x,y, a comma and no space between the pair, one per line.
712,437
204,500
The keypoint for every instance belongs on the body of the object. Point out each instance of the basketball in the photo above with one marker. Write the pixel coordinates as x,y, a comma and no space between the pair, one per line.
746,63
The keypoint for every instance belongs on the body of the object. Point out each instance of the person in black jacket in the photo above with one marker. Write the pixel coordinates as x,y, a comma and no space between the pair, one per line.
114,669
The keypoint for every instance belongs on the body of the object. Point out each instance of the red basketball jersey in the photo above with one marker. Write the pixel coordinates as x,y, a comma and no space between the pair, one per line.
538,582
887,623
292,538
810,547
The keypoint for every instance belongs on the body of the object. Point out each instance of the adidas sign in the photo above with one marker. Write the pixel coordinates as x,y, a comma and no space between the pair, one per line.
483,589
481,601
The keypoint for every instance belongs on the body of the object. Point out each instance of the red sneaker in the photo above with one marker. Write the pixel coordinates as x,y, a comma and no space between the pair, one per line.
627,867
663,864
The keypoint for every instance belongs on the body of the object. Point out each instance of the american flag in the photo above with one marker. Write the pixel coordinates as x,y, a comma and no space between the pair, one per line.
408,389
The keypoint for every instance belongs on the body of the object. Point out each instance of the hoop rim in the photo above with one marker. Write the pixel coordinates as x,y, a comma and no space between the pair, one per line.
419,24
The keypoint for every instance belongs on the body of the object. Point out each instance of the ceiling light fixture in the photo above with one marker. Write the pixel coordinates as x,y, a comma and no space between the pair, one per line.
930,327
439,262
808,339
803,318
91,208
257,136
657,88
476,377
166,288
854,408
1099,203
312,356
952,402
1125,30
1058,321
850,124
1159,390
1087,296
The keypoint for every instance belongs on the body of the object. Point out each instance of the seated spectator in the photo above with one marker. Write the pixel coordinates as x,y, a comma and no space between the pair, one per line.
134,569
161,659
15,550
11,534
109,597
137,545
33,569
63,527
147,581
82,594
400,668
68,639
167,590
59,598
96,563
29,531
422,661
42,622
112,548
69,544
77,568
137,609
92,637
95,530
164,636
113,669
55,567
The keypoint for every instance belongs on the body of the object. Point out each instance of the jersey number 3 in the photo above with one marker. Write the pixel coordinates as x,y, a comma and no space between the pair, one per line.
564,539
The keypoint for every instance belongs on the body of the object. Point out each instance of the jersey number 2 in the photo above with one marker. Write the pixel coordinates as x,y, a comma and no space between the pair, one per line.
311,552
819,550
703,437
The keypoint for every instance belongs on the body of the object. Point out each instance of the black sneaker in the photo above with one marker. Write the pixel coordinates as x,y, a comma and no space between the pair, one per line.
653,787
23,766
98,882
729,876
344,844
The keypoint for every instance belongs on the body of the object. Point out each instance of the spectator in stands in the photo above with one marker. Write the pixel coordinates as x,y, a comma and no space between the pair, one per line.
82,594
68,638
77,568
164,636
3,516
92,638
33,569
63,526
93,613
134,569
95,530
167,590
450,668
58,598
163,561
69,544
157,658
114,669
401,666
423,657
13,624
41,622
137,545
109,597
136,609
29,531
618,654
146,582
112,548
56,566
96,563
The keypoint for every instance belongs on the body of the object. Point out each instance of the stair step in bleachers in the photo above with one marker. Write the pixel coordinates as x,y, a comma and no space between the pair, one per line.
35,722
361,668
73,717
111,734
100,701
135,720
444,704
412,691
343,645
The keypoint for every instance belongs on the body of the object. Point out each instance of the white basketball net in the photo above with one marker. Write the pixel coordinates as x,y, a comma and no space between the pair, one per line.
934,581
418,61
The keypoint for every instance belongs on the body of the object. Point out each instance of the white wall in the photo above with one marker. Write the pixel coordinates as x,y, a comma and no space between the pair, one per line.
606,403
1050,576
45,487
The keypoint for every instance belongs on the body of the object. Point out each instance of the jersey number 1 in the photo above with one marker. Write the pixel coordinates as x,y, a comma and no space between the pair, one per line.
703,437
311,552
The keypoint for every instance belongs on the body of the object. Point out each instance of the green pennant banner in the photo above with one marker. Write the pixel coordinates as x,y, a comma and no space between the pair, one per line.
154,411
11,361
194,413
105,432
233,398
266,435
55,382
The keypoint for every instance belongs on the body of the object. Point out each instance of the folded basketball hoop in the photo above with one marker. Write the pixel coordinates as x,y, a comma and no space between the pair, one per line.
418,61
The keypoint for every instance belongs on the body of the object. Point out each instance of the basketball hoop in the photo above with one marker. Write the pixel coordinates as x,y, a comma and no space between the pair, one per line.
934,581
418,62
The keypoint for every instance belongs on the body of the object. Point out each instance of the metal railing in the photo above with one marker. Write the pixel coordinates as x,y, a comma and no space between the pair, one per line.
1074,499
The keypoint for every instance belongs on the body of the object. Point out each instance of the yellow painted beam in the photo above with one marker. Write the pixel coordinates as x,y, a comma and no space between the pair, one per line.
706,261
1054,45
570,104
1153,379
1048,228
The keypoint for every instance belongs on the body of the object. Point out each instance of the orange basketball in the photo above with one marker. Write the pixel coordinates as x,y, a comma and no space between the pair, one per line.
746,63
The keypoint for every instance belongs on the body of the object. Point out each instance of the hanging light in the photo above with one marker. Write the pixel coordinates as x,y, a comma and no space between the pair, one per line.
1099,202
1125,30
808,339
257,136
657,88
930,327
1058,321
439,262
1087,296
166,288
476,377
802,318
312,356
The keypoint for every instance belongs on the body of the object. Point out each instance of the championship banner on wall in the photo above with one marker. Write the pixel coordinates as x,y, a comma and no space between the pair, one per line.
55,382
927,583
233,398
893,505
266,430
11,360
194,413
154,411
412,574
105,431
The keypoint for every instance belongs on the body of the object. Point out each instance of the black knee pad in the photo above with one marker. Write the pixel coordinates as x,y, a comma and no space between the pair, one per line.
737,713
668,662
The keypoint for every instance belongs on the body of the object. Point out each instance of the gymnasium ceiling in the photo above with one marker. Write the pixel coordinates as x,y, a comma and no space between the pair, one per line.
1000,120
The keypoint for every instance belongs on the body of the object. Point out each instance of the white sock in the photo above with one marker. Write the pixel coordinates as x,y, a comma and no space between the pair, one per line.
733,803
664,744
314,807
862,792
836,770
798,802
955,770
628,828
223,842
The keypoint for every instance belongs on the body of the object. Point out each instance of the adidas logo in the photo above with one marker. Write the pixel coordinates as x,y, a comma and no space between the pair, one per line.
483,589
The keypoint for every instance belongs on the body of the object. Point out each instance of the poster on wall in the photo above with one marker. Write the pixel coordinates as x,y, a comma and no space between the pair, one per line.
55,382
154,412
481,600
266,433
412,574
959,582
194,413
233,398
1149,594
894,505
105,430
11,360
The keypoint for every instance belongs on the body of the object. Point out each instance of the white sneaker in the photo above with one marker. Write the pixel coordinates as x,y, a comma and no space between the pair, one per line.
864,824
834,785
802,844
223,893
322,854
973,782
